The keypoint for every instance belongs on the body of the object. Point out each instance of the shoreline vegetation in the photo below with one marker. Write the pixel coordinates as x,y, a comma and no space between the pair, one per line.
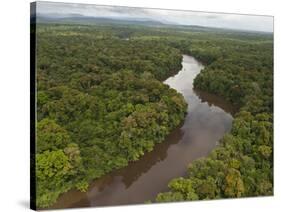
242,164
101,103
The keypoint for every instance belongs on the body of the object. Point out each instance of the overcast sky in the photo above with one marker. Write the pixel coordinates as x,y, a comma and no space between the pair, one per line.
232,21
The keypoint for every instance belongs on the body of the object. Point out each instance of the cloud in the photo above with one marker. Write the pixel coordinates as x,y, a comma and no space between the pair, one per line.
223,20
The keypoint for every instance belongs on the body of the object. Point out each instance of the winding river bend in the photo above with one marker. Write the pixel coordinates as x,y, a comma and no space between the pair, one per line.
208,119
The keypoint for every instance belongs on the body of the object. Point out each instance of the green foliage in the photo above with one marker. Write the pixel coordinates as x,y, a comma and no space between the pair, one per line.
52,172
50,136
234,186
53,164
184,186
240,69
82,186
170,197
101,104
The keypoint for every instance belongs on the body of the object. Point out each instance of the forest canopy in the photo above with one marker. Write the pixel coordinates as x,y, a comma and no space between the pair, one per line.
238,68
101,103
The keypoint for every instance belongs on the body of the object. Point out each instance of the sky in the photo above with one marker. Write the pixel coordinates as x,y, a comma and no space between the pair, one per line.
220,20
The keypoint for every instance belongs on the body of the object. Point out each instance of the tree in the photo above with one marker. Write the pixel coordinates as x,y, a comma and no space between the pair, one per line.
50,136
234,186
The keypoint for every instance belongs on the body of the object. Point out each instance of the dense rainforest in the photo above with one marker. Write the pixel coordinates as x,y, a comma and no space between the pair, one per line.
240,69
101,103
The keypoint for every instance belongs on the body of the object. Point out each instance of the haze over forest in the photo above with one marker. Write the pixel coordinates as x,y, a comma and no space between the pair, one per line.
171,17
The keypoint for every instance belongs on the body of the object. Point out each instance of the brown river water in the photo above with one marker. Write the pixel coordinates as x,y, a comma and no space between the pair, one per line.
209,118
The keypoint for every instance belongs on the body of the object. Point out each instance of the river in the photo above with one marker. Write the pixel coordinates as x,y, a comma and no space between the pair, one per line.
209,118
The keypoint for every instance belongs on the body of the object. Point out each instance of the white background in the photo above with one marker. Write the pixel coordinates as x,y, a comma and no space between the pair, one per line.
14,103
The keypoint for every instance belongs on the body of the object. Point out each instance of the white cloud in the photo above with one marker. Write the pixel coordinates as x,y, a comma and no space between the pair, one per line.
234,21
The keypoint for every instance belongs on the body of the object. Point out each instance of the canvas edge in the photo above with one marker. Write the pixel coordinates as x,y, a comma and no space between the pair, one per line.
32,105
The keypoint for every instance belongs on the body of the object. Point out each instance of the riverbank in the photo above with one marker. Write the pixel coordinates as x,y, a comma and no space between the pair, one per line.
208,119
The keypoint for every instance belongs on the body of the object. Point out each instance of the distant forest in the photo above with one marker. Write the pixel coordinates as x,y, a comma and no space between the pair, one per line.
101,103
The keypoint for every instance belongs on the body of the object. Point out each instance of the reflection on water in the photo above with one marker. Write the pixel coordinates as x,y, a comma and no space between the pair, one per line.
209,118
213,100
